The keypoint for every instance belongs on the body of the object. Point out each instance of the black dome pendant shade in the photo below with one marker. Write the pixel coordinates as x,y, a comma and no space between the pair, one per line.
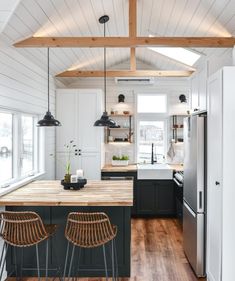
104,120
48,120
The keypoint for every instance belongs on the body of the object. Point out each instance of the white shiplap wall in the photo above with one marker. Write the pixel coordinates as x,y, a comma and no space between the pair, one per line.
172,87
23,87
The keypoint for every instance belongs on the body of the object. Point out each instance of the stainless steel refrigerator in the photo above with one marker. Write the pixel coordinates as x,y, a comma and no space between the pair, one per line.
194,209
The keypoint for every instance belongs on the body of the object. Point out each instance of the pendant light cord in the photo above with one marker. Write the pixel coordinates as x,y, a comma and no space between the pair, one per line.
48,80
104,73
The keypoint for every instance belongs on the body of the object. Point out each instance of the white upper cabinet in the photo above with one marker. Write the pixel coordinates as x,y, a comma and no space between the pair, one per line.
77,110
66,113
199,91
89,109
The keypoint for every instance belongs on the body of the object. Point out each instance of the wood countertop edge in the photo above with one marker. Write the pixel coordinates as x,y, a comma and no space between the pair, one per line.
133,168
56,204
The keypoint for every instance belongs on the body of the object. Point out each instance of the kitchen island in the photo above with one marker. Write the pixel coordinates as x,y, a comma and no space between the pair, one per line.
53,203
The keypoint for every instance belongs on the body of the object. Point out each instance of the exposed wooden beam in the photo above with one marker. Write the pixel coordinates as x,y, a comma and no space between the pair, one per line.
132,18
132,31
126,42
132,59
126,73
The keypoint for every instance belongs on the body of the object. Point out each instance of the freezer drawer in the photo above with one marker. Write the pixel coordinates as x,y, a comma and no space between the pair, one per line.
194,239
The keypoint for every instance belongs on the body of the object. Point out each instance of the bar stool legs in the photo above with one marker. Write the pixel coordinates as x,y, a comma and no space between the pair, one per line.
105,263
3,258
47,246
38,266
116,259
113,257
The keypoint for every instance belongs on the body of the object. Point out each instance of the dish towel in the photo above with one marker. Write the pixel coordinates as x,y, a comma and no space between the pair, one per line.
171,151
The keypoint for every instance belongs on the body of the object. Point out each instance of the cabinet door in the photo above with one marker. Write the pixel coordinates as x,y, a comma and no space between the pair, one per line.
203,89
91,165
146,197
89,110
194,93
165,199
214,170
66,113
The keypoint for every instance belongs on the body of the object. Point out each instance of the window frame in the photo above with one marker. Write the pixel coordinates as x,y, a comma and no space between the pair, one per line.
38,167
151,117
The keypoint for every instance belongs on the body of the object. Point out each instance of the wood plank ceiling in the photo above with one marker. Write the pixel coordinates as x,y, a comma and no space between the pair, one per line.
80,18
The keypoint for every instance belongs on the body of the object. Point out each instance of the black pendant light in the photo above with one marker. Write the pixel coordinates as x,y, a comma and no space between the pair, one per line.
104,120
48,120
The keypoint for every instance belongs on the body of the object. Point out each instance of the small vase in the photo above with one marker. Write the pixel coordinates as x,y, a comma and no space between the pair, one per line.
67,178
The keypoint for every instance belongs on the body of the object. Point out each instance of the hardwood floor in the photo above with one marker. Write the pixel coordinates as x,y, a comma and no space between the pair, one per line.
157,253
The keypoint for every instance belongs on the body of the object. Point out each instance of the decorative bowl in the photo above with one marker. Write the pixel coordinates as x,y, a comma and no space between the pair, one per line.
74,186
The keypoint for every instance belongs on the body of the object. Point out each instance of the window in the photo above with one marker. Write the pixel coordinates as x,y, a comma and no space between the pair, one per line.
151,126
6,148
18,146
151,132
27,145
151,104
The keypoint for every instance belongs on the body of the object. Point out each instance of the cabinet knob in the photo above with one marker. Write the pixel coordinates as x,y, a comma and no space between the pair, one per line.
217,183
79,150
79,154
76,154
75,150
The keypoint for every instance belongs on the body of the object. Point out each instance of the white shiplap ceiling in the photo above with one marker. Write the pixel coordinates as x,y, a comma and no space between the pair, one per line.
80,18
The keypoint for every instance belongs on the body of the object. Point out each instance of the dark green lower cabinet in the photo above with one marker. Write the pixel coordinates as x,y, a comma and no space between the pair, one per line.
155,197
91,261
146,197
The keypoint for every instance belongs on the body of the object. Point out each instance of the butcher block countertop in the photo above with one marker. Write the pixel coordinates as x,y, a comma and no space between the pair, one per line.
51,193
128,168
133,168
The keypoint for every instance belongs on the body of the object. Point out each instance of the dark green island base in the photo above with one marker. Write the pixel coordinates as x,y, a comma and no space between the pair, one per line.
91,261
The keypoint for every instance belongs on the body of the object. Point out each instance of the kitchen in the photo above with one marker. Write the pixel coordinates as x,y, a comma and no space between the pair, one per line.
151,102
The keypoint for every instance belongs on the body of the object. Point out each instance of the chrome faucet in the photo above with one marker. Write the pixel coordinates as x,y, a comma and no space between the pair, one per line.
152,155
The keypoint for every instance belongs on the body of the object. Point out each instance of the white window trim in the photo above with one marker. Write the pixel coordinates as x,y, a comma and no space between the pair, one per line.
39,160
151,117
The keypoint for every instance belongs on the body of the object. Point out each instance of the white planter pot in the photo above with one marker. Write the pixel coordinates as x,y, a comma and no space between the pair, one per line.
120,162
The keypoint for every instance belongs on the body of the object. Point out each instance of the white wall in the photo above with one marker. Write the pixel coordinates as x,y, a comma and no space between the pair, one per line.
23,87
172,87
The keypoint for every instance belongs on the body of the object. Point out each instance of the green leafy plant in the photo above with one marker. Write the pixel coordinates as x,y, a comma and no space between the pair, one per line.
69,150
122,158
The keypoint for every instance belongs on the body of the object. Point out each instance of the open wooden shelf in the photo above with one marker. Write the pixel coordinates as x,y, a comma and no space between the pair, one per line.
120,115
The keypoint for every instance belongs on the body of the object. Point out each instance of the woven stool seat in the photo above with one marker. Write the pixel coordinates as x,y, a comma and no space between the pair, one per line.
20,230
24,229
89,230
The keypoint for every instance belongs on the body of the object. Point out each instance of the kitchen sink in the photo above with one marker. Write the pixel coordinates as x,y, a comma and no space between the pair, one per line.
158,171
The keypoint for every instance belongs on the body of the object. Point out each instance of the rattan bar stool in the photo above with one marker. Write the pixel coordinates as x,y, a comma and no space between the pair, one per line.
90,230
20,230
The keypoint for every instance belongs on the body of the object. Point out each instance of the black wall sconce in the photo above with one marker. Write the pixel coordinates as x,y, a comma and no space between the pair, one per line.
182,98
121,98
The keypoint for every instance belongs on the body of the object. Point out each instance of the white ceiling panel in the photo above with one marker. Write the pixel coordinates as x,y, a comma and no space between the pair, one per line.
80,18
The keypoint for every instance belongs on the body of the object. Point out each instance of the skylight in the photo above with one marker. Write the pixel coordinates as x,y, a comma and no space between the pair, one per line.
179,54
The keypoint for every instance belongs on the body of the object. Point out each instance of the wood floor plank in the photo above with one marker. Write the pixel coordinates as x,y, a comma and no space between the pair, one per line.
157,253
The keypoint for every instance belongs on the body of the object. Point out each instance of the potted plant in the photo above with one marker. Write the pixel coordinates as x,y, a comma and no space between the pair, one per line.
120,160
69,150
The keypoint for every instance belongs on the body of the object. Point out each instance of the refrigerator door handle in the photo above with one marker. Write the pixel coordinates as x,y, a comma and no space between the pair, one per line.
189,209
200,199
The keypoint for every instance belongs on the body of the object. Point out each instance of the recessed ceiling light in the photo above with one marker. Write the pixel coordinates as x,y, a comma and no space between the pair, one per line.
179,54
